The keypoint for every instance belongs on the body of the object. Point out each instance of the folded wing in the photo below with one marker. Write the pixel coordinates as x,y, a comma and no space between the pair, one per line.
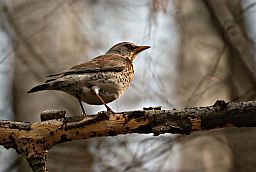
104,63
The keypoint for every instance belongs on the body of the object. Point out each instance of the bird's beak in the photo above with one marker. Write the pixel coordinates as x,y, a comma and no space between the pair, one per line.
141,48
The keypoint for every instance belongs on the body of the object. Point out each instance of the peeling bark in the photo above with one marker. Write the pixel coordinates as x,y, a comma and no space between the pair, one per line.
33,140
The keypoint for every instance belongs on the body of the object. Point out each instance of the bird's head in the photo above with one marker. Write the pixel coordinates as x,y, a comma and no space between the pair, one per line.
127,49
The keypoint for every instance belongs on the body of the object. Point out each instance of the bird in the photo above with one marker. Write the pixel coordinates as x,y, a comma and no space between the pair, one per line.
100,80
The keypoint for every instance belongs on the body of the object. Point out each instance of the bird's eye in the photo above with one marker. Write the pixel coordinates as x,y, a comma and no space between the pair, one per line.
129,46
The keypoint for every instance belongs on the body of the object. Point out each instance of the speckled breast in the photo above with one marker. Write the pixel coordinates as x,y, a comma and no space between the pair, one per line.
112,85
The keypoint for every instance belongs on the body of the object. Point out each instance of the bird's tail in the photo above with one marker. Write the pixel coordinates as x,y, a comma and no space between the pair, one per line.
39,88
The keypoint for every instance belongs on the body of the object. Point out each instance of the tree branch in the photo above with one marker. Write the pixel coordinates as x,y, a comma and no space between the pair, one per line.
33,140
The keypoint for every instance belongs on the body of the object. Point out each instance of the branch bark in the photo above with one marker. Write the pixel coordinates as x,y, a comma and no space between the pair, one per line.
33,140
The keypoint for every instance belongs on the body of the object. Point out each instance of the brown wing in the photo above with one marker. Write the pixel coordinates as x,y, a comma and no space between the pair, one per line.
104,63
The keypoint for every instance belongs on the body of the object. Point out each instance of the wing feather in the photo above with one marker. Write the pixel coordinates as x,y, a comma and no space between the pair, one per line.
103,63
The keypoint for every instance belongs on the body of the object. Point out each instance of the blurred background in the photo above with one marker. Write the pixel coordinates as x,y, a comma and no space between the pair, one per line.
201,51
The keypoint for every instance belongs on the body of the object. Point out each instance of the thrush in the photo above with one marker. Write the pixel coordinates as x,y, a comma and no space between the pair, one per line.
100,80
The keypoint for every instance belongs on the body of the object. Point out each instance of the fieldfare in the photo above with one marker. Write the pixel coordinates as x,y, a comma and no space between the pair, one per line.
100,80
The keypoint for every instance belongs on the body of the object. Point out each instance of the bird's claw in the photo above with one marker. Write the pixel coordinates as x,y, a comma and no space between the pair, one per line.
109,111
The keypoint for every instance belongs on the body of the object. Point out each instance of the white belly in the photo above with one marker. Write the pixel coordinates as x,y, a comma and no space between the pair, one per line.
111,86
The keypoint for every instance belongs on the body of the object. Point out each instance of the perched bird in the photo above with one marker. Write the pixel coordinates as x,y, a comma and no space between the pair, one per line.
100,80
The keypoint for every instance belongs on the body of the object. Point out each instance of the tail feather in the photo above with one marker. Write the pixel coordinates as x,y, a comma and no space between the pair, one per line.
39,88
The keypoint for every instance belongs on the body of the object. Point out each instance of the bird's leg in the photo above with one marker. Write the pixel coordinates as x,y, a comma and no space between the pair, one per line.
81,105
96,90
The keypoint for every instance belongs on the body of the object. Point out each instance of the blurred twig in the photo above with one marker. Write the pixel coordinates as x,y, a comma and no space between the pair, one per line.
233,36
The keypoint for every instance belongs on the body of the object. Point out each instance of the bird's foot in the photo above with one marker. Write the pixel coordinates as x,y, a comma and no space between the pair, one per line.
109,110
83,114
103,115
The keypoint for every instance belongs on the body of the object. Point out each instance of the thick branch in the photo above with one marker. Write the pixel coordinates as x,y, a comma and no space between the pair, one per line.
34,139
